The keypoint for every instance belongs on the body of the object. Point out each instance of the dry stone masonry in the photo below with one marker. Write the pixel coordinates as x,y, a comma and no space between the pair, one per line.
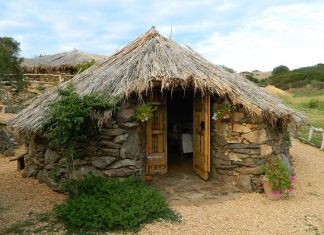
241,146
118,151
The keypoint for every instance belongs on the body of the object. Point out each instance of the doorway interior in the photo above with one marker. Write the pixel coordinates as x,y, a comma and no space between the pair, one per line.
180,131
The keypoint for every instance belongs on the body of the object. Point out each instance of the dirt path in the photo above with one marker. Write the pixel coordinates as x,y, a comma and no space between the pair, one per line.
302,213
21,196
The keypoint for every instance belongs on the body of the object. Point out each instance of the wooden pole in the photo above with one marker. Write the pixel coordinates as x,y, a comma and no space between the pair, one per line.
322,146
310,134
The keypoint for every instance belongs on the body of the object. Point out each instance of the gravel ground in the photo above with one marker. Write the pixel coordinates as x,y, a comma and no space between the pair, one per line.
301,213
21,196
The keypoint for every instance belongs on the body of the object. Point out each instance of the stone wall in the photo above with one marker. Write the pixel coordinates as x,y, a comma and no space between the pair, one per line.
241,146
118,151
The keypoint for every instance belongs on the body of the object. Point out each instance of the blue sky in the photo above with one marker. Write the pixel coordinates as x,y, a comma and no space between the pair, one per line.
244,35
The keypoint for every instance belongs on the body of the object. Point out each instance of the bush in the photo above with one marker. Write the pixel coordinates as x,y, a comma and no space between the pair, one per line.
280,69
68,119
106,204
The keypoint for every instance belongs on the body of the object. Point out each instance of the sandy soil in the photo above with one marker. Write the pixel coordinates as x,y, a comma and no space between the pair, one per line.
301,213
21,196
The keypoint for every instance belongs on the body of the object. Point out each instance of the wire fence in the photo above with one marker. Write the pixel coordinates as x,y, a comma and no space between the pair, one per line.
310,135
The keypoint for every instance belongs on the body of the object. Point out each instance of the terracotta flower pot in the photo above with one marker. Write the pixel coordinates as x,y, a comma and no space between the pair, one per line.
148,178
268,190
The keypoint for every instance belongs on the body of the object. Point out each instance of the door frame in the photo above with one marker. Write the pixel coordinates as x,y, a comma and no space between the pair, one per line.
164,105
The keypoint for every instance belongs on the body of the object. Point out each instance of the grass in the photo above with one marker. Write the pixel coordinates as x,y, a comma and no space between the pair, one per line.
312,103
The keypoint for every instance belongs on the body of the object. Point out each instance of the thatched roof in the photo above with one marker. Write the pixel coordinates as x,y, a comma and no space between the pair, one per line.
59,61
153,60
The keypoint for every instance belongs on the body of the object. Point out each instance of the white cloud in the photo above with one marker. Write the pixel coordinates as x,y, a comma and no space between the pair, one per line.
291,35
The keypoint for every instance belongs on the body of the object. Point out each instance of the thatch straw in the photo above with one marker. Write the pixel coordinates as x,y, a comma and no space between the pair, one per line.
150,60
59,62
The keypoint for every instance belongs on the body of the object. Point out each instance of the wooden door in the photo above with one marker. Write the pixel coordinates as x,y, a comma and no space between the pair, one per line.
156,136
201,136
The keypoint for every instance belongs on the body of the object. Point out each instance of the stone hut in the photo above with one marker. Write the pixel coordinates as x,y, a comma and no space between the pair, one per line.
205,120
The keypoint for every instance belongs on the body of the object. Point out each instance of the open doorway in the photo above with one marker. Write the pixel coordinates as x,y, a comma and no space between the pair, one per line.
180,131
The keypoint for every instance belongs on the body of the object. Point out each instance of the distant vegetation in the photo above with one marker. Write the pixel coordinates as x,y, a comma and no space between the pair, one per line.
9,61
285,79
83,66
227,69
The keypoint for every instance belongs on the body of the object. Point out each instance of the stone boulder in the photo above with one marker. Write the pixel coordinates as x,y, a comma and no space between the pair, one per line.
128,125
120,138
113,132
30,170
132,147
102,162
125,115
51,156
43,177
123,163
257,136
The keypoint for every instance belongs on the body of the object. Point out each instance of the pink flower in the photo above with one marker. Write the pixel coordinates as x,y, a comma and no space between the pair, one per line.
278,192
291,190
291,179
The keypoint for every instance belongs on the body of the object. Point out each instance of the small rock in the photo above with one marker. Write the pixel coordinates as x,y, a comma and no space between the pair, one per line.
247,151
30,170
241,128
123,163
109,144
233,139
120,138
128,125
233,155
109,152
250,170
125,115
265,149
113,132
102,162
243,146
51,156
257,136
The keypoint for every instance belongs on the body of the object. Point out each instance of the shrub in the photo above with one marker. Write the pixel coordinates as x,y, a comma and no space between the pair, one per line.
68,119
106,204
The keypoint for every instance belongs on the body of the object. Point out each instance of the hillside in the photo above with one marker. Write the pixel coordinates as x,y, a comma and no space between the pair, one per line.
312,76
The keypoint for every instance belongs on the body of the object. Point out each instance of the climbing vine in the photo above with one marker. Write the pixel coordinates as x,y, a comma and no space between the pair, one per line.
69,119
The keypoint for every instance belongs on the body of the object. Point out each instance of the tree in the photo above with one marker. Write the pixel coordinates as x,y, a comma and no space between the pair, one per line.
9,60
280,69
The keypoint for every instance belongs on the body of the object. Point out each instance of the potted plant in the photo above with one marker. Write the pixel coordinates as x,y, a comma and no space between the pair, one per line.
144,112
276,180
225,112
